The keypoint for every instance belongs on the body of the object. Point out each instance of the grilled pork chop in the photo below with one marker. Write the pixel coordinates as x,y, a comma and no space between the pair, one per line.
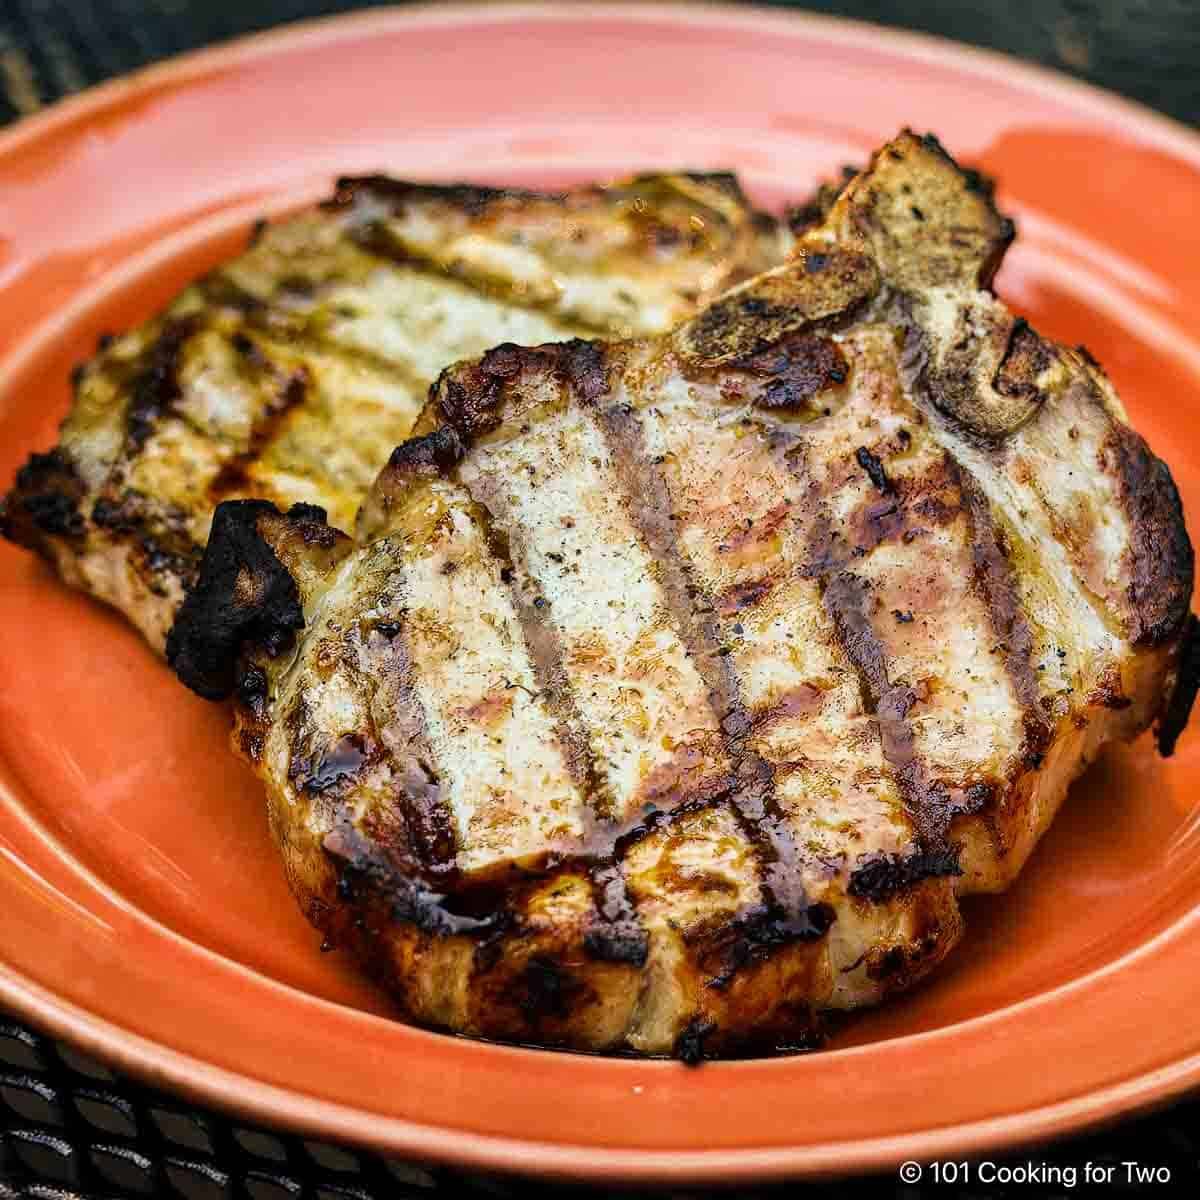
674,690
292,372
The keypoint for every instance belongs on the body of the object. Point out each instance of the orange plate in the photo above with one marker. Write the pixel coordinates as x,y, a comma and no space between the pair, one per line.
144,913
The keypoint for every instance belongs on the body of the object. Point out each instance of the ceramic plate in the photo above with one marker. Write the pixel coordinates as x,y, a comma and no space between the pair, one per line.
144,913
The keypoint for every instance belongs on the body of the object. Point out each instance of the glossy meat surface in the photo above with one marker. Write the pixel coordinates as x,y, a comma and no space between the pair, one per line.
673,690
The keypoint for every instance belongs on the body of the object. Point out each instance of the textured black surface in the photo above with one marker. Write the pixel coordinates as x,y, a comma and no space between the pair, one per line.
68,1126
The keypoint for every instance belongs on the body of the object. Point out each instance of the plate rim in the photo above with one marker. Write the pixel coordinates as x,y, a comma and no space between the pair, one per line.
1166,129
193,1077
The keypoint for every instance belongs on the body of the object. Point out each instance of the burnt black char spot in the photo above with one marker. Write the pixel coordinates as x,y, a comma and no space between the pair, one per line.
546,990
689,1045
156,386
879,877
873,466
796,370
45,500
244,595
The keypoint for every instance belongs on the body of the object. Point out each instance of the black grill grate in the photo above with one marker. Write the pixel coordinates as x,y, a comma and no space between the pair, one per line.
74,1130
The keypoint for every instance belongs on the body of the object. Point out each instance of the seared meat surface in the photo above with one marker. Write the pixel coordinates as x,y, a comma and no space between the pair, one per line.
292,372
674,690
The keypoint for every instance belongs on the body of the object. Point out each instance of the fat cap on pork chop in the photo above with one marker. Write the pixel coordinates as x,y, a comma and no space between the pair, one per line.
290,373
674,690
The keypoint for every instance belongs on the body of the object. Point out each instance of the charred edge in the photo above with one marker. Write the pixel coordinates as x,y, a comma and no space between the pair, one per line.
873,466
582,367
754,936
44,502
1161,559
365,874
617,936
244,595
1025,358
816,208
1178,708
431,455
470,396
994,581
472,199
155,388
234,475
796,371
881,877
752,786
722,181
689,1045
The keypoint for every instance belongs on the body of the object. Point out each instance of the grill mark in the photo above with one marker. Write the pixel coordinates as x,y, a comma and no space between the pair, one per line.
155,388
946,430
305,338
364,872
379,242
881,877
279,324
544,646
427,815
617,934
995,582
844,595
787,915
234,475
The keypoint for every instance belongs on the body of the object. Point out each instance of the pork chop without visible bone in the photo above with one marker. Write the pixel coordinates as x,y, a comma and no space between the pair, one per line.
291,373
674,690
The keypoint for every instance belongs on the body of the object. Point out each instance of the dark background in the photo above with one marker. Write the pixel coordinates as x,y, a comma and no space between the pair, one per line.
1148,49
69,1126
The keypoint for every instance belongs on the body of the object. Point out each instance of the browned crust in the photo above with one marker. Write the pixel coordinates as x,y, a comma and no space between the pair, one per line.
1161,562
472,199
788,914
245,596
812,212
527,978
1178,708
477,200
44,503
754,318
